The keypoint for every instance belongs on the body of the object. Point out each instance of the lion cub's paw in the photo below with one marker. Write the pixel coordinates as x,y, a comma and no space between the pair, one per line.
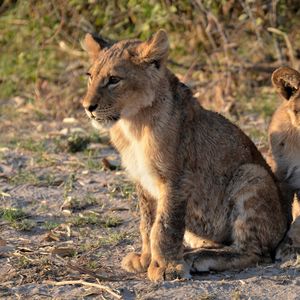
136,263
287,253
171,271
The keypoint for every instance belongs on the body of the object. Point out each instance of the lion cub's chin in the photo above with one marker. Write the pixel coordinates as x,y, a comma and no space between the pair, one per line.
105,125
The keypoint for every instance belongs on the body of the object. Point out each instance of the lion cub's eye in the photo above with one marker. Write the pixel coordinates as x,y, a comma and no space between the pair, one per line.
113,80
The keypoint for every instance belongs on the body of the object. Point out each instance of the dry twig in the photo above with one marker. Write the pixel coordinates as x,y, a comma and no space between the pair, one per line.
82,270
288,44
82,282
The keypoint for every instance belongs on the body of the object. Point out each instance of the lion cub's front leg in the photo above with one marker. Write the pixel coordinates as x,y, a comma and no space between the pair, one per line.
135,262
167,238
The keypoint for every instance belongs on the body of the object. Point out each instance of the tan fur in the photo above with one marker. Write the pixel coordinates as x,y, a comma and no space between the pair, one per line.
284,139
199,178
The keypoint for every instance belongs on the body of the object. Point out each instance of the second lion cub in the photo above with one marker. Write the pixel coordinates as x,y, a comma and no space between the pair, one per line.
284,132
284,138
200,180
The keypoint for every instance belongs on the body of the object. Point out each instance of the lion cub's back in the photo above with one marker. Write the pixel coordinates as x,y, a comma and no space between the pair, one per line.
227,145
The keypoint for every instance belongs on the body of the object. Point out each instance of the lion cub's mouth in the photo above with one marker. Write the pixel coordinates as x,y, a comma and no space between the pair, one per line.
90,114
103,119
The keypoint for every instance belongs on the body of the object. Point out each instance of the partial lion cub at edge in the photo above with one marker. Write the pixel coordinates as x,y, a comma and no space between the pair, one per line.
284,139
200,180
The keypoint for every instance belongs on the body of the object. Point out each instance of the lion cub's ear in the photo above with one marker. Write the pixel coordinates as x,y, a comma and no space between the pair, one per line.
287,82
155,49
93,45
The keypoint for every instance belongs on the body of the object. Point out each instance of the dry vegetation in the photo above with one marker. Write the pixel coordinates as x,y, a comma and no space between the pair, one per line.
67,212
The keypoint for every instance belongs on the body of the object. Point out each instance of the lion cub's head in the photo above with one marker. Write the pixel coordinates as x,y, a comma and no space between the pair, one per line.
287,83
124,77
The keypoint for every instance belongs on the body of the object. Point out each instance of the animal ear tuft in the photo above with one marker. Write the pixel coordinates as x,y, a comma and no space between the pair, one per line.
156,48
93,45
286,81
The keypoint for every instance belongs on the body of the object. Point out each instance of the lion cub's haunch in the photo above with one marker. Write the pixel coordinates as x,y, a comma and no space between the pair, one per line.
200,180
284,138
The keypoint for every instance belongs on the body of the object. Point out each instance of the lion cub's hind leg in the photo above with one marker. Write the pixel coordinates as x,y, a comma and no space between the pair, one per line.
296,206
192,242
257,223
135,262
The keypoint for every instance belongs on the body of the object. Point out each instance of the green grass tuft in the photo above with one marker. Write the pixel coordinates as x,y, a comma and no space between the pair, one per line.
12,214
113,238
17,219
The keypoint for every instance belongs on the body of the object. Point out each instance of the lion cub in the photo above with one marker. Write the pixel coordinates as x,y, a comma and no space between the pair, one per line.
284,139
200,180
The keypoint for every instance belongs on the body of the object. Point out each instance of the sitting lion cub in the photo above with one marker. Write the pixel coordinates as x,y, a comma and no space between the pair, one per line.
200,180
284,138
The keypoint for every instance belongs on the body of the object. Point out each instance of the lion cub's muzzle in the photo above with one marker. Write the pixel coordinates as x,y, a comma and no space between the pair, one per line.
99,114
103,116
90,114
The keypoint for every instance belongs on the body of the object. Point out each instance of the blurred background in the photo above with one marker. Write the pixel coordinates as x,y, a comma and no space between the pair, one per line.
225,50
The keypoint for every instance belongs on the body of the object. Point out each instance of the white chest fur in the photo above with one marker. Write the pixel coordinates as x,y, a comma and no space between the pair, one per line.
137,163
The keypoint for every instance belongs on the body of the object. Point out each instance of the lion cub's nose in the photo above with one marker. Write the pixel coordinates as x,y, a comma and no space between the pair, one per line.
92,107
